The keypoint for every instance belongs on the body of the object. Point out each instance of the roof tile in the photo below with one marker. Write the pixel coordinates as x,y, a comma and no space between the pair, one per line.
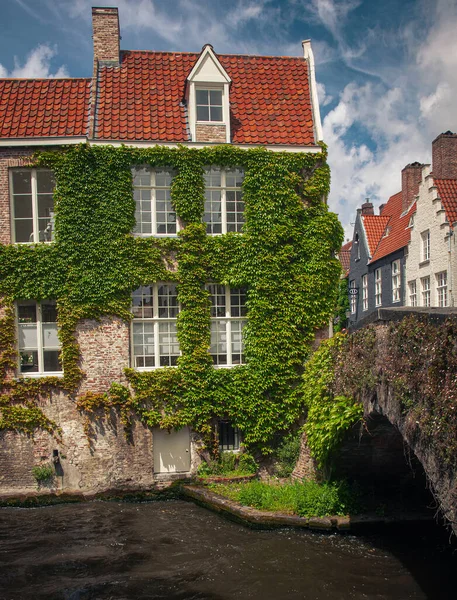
40,107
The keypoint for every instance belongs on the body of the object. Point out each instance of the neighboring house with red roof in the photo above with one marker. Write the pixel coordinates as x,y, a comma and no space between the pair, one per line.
377,266
431,265
143,99
344,256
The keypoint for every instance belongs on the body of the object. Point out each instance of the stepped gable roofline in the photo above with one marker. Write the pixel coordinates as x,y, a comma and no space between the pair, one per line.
399,233
44,108
447,191
270,101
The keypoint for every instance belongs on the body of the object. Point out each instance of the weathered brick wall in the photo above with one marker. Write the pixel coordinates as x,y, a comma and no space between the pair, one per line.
9,158
104,347
103,461
105,26
210,133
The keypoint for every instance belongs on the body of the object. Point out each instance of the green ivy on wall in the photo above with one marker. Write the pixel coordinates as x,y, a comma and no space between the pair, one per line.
284,257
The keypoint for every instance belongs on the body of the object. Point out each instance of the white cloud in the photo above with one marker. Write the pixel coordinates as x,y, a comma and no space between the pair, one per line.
399,119
37,65
324,98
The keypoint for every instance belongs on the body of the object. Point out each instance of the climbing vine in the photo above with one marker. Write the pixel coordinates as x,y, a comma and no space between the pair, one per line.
284,257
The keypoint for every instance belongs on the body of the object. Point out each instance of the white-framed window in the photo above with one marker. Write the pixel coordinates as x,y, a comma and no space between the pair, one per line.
154,337
425,239
154,212
32,205
228,317
425,284
396,280
209,105
352,297
378,287
38,341
364,292
412,293
441,288
224,206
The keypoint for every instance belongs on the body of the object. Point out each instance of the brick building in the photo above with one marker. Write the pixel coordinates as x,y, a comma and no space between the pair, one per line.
141,99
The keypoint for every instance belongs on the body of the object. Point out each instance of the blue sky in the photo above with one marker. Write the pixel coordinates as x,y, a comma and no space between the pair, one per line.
386,69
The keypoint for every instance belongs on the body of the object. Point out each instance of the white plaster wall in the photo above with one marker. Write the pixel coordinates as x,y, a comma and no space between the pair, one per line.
429,215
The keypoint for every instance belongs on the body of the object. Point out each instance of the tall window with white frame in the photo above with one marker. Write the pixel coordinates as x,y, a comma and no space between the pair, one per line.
154,336
378,287
32,205
412,293
209,105
441,288
154,212
425,284
352,297
425,240
38,341
224,206
228,317
396,281
365,292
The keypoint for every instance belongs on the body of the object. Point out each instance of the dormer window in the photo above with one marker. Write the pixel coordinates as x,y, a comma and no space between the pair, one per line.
208,99
209,105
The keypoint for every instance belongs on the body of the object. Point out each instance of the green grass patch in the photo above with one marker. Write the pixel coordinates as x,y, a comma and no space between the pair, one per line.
229,464
306,499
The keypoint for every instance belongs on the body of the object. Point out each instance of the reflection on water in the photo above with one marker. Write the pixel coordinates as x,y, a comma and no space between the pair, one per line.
175,551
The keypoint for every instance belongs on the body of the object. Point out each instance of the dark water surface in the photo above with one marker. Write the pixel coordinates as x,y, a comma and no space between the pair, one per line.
176,550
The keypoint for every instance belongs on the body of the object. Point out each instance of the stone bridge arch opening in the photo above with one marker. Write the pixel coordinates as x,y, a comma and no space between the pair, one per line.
392,479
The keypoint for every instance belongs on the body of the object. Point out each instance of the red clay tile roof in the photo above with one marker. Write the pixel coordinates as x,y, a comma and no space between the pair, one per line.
375,226
142,99
44,107
344,256
447,191
399,233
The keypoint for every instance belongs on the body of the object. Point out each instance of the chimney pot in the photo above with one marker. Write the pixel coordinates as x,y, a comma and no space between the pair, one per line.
444,156
367,208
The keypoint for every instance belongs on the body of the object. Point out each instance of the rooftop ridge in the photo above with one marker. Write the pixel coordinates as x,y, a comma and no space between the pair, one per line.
277,56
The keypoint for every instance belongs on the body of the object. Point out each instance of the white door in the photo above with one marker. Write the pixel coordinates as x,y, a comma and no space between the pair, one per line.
171,450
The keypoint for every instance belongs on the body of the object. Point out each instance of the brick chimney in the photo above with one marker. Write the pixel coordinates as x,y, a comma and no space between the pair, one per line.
367,208
105,27
381,208
444,156
411,176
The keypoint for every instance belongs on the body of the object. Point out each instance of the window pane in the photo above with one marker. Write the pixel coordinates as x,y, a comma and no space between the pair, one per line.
29,362
45,182
216,113
51,360
23,230
27,312
218,304
23,207
202,113
48,312
218,345
142,302
168,301
238,302
168,344
50,337
215,97
22,182
28,339
141,176
202,96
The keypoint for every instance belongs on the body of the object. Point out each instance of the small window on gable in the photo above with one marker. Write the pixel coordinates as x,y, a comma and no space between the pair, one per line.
209,105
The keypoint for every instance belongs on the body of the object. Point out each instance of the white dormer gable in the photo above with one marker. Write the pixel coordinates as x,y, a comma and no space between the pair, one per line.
208,99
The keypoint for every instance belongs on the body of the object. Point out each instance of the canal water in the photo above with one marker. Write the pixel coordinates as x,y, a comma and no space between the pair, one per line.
178,551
